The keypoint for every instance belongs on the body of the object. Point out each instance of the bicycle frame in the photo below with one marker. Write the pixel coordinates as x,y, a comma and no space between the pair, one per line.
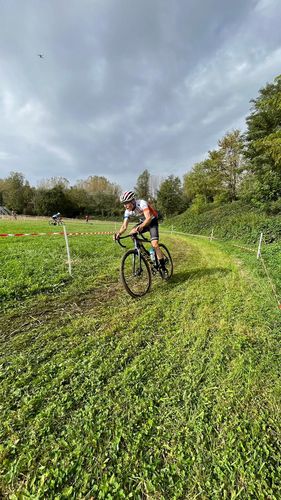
141,250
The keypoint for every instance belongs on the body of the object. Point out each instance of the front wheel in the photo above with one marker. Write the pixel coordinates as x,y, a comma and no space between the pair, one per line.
168,261
135,274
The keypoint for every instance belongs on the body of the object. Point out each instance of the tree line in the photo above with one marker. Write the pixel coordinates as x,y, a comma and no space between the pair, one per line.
245,166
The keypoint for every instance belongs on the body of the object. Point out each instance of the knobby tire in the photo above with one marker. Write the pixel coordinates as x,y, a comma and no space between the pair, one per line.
169,264
137,285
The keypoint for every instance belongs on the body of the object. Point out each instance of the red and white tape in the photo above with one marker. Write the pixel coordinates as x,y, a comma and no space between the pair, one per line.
4,235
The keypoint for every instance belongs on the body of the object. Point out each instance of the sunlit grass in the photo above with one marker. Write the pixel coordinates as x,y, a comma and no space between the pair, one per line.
176,395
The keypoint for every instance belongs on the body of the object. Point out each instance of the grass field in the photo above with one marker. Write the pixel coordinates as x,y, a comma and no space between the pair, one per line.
174,396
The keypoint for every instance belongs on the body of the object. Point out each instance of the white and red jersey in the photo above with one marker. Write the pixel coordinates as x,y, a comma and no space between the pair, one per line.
138,211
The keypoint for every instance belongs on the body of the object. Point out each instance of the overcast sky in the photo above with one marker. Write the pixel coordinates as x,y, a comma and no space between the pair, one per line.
126,85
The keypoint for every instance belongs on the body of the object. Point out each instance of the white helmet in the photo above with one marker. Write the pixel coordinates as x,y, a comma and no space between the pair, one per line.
127,196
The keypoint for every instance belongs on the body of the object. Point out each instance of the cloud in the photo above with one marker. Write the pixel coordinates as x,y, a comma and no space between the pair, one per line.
125,86
6,156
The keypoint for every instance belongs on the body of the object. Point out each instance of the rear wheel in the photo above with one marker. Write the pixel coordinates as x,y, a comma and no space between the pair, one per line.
135,274
168,261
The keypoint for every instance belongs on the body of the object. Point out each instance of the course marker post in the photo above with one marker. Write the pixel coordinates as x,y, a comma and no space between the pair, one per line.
212,234
259,248
67,250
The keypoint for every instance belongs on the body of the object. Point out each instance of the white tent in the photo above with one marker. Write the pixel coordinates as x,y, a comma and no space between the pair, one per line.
5,211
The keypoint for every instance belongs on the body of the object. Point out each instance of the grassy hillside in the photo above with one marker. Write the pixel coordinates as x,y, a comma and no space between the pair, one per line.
175,396
232,221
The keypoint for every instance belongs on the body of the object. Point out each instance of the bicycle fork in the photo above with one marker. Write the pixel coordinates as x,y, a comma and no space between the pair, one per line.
137,267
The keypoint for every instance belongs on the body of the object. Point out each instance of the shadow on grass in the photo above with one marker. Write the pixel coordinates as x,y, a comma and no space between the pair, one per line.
194,274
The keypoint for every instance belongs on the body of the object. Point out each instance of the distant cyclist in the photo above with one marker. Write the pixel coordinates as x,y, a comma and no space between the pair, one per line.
56,218
148,222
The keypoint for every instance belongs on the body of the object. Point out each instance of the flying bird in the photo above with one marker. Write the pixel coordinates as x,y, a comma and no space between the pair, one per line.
40,55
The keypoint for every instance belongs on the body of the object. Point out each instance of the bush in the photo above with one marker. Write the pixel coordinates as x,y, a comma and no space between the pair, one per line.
231,221
274,208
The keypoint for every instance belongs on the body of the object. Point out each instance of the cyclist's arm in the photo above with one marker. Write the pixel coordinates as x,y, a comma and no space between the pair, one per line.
123,227
147,220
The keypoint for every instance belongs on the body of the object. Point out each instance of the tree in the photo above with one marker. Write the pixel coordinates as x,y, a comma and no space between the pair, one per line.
170,196
106,204
17,192
101,195
81,201
96,184
53,182
232,162
142,188
47,202
205,179
197,182
218,177
263,141
2,188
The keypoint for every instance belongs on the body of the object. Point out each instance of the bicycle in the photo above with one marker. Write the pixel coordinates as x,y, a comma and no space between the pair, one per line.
53,222
137,267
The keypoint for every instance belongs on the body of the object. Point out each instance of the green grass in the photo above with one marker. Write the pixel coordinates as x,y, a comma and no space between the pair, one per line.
175,396
230,221
41,224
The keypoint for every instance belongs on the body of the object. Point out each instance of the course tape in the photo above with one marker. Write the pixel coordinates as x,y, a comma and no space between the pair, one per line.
4,235
244,248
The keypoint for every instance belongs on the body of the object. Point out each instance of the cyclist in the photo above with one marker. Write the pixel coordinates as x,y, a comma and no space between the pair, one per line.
56,218
148,222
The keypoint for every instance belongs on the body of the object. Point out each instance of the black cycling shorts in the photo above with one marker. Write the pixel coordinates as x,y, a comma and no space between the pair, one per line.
153,229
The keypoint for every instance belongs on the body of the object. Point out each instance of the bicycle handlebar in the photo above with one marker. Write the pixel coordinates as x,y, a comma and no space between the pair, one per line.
118,241
133,236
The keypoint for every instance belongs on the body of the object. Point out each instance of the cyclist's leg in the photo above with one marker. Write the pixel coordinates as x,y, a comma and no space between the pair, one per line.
154,238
